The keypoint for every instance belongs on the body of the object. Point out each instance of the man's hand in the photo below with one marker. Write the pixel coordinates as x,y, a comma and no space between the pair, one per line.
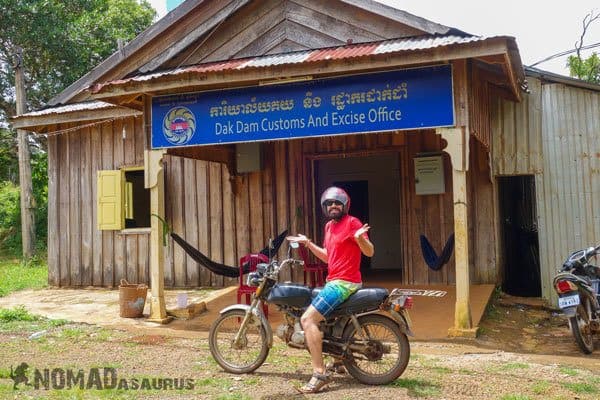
300,238
366,247
320,252
361,231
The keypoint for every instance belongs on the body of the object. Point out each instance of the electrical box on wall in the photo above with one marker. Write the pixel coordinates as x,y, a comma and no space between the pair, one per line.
248,157
429,175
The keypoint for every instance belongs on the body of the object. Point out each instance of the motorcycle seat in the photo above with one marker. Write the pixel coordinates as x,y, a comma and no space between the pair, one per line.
365,299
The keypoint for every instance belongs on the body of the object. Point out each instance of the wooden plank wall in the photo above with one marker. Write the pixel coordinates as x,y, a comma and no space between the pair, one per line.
78,253
227,217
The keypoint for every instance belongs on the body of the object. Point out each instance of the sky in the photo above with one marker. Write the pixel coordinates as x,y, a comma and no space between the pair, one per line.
541,28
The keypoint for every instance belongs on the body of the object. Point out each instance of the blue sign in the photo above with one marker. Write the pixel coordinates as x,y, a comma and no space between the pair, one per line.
406,99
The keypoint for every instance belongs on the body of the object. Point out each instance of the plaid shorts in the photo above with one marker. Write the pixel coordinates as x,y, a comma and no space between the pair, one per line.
333,294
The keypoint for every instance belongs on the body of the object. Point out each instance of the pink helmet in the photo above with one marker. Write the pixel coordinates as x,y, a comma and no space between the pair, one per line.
335,193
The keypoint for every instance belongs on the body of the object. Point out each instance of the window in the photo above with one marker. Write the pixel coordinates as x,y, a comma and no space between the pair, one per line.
123,201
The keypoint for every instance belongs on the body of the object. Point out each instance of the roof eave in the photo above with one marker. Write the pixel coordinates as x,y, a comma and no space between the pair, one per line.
38,123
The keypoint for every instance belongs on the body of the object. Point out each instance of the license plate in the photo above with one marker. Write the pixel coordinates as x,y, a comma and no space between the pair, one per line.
568,301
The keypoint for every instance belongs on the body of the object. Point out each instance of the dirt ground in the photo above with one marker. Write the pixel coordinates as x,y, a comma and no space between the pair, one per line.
524,351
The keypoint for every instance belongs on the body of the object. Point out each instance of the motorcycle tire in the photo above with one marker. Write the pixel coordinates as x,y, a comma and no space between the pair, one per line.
249,355
377,367
580,326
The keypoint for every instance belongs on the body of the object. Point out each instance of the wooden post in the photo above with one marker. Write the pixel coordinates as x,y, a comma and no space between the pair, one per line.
458,149
154,180
27,199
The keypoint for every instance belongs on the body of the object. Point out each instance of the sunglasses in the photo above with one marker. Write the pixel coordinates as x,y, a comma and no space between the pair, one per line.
329,203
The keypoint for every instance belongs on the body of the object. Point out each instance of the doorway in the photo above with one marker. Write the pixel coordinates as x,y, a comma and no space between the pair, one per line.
519,236
373,184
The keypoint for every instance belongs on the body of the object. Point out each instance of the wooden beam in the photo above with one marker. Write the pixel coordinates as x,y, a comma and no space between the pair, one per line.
154,180
458,149
219,153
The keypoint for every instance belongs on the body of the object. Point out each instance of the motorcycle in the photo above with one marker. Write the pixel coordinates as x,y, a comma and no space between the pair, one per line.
367,333
577,287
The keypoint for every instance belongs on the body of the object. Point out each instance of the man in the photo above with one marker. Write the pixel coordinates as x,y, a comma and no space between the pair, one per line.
345,239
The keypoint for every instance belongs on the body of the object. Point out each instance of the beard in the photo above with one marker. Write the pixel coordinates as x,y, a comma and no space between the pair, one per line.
336,214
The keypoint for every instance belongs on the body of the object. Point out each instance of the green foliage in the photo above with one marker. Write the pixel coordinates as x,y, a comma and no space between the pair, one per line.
10,219
10,209
16,314
569,371
17,276
587,69
9,163
541,387
581,388
418,387
61,41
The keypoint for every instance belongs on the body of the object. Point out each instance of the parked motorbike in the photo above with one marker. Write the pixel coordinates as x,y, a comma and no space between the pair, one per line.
577,286
368,332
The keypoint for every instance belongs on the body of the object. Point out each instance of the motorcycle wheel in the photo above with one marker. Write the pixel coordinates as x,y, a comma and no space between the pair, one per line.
377,366
246,357
580,326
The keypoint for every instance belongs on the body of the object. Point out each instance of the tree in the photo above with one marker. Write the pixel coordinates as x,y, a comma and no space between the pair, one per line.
587,69
61,41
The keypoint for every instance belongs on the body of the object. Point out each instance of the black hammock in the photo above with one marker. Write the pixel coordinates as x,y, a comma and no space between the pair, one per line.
223,269
434,261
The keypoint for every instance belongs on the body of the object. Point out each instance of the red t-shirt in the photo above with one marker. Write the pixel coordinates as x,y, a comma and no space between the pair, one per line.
343,253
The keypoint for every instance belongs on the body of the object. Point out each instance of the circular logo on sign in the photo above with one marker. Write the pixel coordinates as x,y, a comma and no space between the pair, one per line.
179,125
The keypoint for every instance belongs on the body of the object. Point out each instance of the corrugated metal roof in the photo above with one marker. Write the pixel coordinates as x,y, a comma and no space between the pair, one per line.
423,43
336,53
86,106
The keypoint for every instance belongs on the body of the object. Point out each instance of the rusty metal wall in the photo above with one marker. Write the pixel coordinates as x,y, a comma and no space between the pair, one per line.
555,135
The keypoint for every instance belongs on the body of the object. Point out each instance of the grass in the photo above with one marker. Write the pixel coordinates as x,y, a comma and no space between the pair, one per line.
15,275
569,371
16,314
515,397
541,387
508,367
418,387
581,388
18,319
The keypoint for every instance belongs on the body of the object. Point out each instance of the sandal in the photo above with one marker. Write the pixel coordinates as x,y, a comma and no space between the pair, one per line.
316,383
336,367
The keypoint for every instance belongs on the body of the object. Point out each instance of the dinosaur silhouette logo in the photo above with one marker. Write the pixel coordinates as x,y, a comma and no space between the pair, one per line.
20,375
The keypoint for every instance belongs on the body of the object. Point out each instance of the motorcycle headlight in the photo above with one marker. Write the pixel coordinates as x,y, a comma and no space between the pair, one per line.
254,279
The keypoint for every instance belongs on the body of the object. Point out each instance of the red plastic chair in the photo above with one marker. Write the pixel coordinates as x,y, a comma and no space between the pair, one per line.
252,260
314,271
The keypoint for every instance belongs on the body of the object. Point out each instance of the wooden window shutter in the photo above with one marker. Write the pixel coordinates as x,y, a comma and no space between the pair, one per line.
128,200
110,200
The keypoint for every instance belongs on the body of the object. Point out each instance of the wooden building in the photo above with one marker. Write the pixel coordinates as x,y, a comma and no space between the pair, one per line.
418,163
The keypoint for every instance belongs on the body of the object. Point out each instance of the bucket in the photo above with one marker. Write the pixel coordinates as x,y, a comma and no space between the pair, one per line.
132,298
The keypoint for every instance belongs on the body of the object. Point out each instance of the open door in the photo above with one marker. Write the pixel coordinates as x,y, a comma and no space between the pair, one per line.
520,236
373,184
